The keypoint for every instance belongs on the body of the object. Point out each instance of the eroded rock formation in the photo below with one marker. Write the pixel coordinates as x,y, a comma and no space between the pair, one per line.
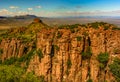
62,50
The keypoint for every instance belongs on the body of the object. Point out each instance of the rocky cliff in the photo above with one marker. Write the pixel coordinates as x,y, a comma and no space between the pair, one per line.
67,55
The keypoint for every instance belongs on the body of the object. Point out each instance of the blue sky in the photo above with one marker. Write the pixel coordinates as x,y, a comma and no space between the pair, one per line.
60,8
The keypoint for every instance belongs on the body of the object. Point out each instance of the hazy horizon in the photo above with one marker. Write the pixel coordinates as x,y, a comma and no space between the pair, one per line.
60,8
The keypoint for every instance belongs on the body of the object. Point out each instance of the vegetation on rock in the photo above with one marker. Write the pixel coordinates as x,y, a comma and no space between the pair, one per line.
12,73
115,68
87,54
103,59
79,38
39,53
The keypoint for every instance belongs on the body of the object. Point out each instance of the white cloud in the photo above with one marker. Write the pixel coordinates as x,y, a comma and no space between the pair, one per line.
4,10
13,7
30,9
38,7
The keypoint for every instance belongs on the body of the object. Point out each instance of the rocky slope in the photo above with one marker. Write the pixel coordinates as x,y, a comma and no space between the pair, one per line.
66,54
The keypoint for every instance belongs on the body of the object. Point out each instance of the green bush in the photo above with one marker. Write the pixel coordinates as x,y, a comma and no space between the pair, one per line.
56,47
87,54
89,80
103,59
59,35
115,69
85,34
69,63
79,38
39,53
69,26
16,74
73,26
95,25
106,27
10,61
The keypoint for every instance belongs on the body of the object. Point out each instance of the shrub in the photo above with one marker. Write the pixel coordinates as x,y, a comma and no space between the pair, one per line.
79,38
89,80
87,54
85,34
56,47
73,26
59,35
106,27
115,69
69,63
12,73
103,59
39,53
95,25
10,61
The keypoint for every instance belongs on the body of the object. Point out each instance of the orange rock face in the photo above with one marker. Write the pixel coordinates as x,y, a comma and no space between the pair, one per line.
62,50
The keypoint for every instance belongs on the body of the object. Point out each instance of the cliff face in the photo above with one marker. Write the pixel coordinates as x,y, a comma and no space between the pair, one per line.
63,60
63,52
13,48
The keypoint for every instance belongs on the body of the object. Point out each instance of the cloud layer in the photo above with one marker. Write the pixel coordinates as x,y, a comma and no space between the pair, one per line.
13,7
38,10
30,9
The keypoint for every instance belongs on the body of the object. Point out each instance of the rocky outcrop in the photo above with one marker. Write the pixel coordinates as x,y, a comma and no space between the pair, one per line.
62,58
14,48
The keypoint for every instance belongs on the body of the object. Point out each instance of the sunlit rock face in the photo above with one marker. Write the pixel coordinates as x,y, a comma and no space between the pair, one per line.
68,55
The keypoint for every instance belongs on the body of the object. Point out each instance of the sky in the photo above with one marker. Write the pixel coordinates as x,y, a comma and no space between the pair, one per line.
60,8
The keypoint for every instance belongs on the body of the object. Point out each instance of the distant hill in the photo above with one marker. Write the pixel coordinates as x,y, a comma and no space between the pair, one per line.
2,17
25,17
16,21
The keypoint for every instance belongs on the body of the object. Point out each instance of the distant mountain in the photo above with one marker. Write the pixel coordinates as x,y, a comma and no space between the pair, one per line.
25,17
2,17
